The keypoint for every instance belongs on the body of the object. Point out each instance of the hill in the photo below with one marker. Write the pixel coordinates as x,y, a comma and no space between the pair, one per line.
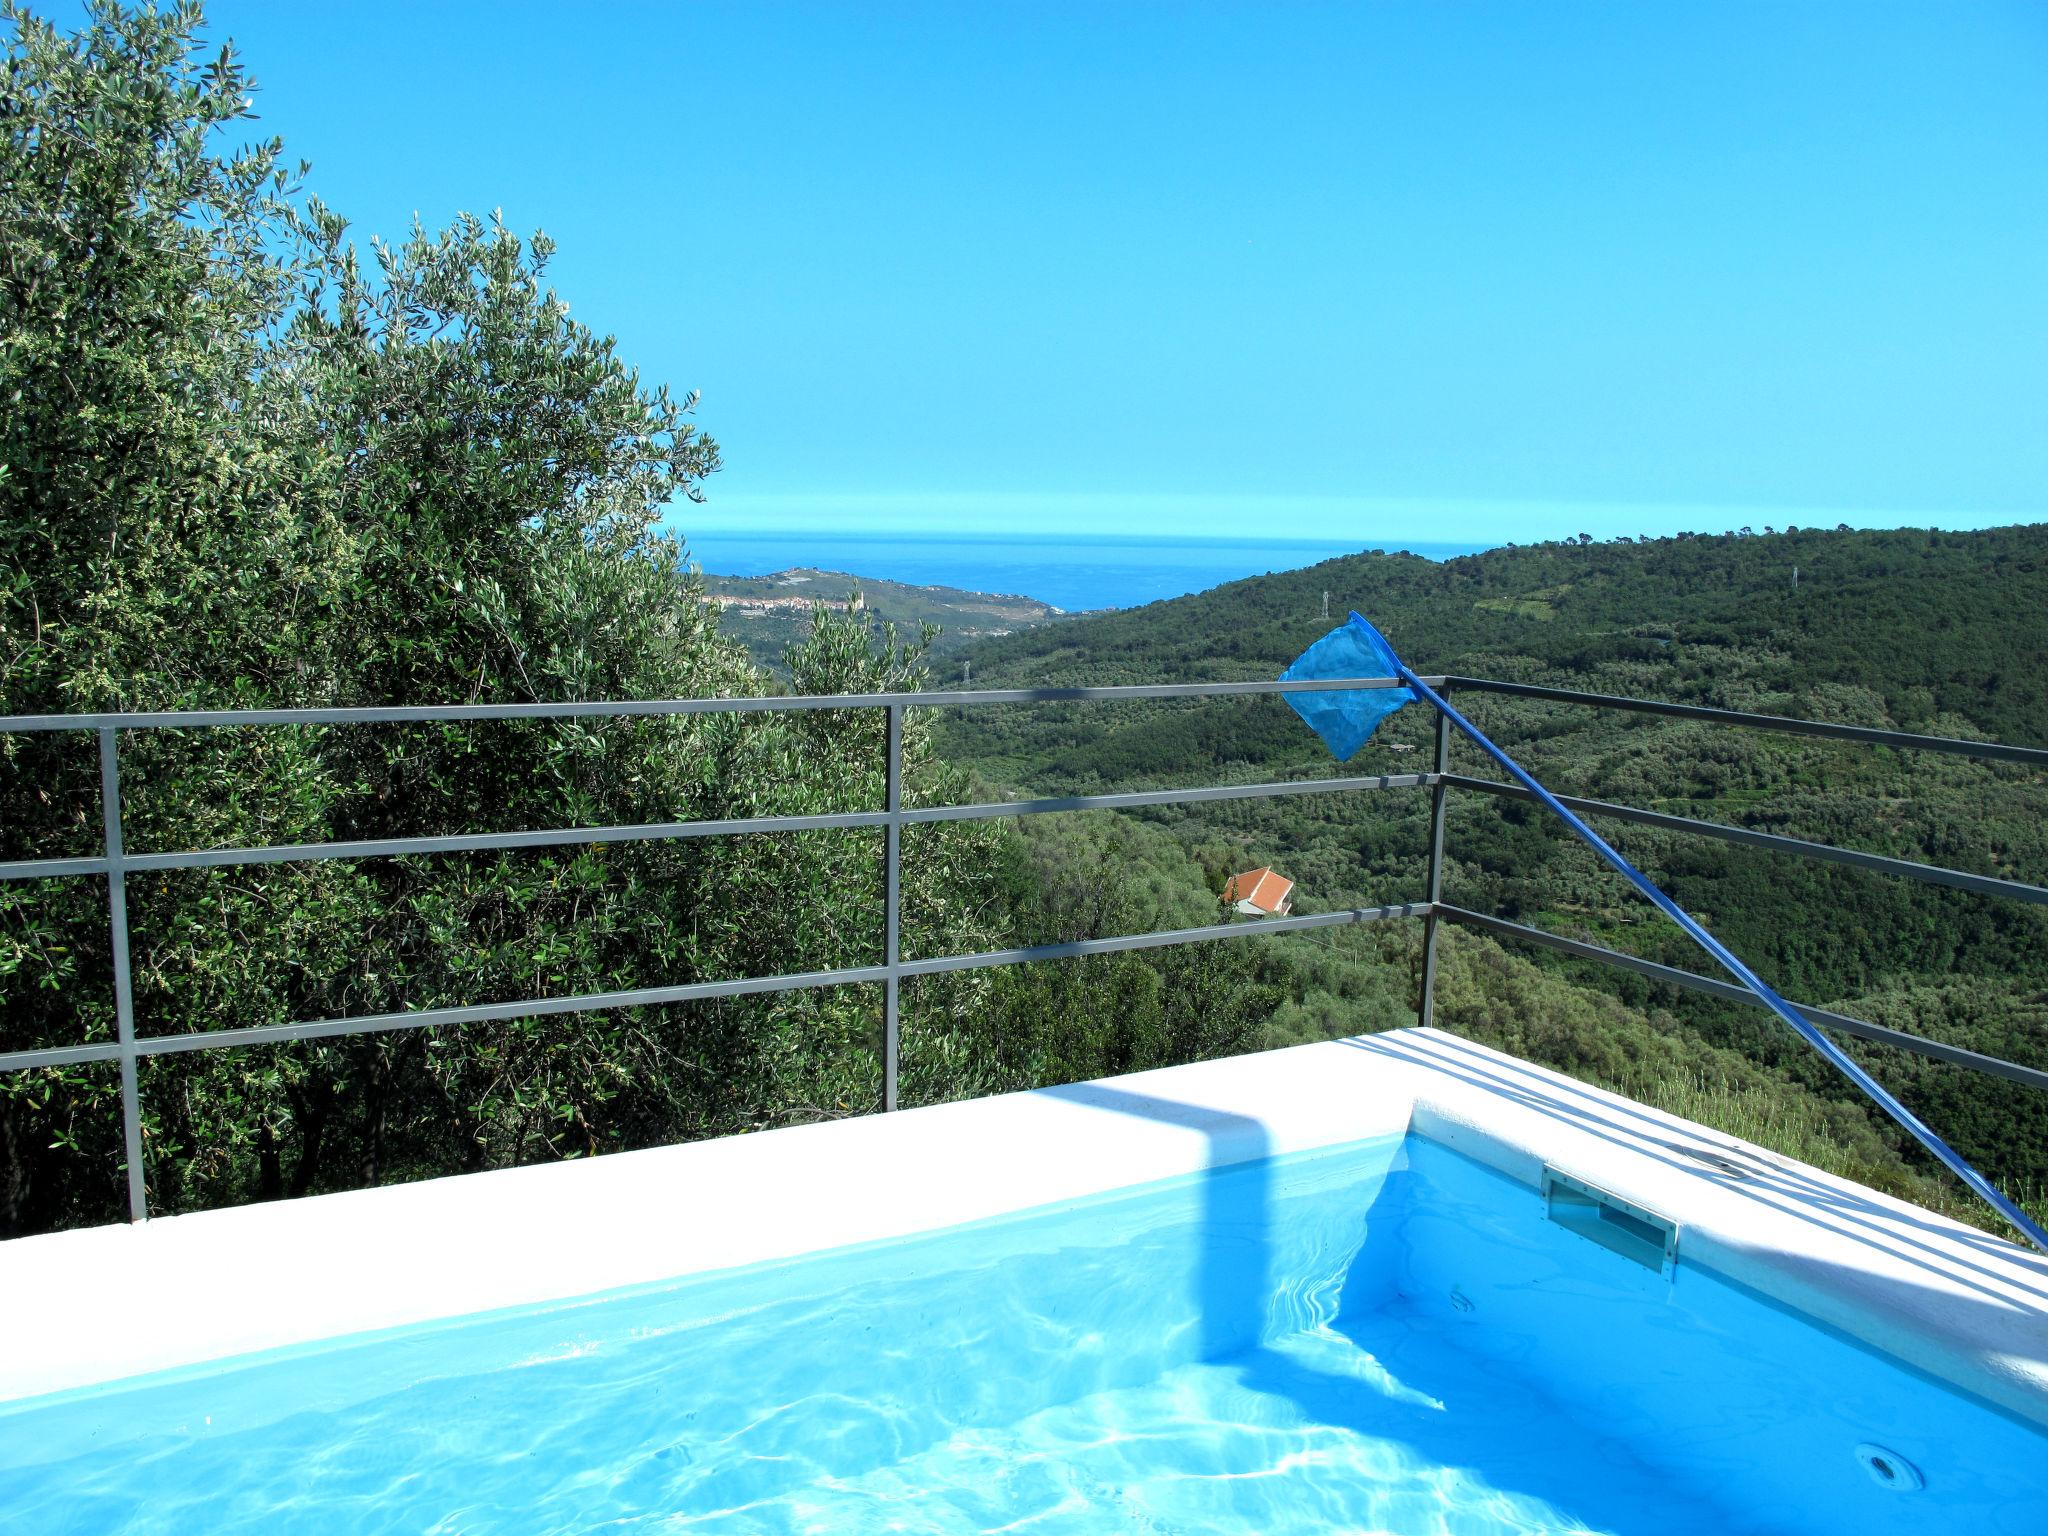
1933,623
769,614
1944,633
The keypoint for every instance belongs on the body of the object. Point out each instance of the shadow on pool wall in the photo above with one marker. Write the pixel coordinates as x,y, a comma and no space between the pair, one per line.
1471,1331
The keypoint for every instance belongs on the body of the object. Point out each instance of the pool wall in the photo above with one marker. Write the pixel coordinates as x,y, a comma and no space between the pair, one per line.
1735,1394
106,1303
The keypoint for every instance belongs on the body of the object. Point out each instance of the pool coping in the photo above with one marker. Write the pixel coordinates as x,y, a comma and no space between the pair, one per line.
97,1305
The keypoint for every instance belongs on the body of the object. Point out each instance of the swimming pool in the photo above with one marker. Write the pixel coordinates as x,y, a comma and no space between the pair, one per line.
1381,1335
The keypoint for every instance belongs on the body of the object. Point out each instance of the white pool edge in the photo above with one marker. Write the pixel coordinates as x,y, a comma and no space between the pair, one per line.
92,1306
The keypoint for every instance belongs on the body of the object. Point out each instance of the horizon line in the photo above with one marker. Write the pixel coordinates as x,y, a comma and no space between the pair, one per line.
1318,519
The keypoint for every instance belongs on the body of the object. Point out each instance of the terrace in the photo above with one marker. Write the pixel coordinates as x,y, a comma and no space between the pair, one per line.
1959,1319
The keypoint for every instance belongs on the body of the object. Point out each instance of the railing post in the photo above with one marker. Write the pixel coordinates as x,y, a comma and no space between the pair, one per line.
1426,1006
124,992
893,883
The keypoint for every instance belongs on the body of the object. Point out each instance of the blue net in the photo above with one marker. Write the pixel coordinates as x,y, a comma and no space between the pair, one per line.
1346,720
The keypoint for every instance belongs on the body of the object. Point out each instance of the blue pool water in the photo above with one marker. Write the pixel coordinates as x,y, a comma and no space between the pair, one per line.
1381,1337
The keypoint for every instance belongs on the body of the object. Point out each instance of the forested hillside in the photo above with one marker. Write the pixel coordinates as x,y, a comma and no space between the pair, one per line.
1931,623
1931,632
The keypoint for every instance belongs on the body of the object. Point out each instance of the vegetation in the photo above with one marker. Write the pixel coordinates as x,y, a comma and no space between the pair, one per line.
246,462
1914,630
244,465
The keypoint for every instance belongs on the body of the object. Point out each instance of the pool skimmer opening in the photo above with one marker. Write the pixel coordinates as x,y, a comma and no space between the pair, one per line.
1616,1225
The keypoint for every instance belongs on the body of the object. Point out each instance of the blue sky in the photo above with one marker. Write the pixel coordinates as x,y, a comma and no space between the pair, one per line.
1401,270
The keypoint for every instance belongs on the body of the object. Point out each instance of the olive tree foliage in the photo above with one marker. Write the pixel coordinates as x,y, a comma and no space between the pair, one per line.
141,279
245,462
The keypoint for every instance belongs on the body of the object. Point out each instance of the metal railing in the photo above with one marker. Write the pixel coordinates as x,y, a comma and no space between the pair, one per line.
114,863
1713,986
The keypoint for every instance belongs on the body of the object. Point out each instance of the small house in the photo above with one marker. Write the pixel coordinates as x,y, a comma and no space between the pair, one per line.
1259,893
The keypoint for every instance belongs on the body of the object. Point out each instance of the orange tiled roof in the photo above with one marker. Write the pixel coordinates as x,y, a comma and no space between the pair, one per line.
1260,887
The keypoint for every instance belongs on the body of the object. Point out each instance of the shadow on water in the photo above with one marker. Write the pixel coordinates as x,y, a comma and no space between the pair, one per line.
1236,1291
1233,1264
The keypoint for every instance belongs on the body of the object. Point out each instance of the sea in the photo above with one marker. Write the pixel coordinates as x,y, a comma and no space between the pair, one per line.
1076,573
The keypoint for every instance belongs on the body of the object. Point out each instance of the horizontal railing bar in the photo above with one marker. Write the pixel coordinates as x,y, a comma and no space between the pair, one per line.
1929,874
983,812
211,719
59,1056
641,708
1078,947
160,1045
593,1002
52,869
401,847
1111,692
486,1013
2036,756
1995,1066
